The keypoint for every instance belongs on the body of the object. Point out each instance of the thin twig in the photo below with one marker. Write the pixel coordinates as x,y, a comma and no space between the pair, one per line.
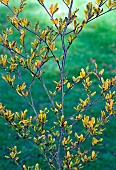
62,82
65,4
43,83
29,90
10,49
91,19
15,161
59,147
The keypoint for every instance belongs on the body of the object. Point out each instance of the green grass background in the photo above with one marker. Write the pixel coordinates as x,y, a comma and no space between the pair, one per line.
97,42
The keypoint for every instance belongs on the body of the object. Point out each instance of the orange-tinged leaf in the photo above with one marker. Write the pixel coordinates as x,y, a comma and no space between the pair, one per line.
114,71
56,22
5,1
38,63
57,59
41,1
114,4
25,94
53,8
58,87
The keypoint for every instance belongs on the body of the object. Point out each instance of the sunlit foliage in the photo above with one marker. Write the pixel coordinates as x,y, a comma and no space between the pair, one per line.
60,145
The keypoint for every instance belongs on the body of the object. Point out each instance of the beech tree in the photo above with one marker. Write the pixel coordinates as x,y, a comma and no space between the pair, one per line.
59,141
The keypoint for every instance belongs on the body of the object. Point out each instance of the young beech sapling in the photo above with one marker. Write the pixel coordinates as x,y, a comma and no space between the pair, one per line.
60,142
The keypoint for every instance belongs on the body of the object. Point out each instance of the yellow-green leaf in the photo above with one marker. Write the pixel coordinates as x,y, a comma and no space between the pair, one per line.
98,2
108,4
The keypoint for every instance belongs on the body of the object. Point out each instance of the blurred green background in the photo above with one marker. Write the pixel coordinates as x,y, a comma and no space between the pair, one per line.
96,43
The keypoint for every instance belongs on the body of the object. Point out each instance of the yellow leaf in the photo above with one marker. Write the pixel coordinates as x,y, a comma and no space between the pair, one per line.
94,141
15,21
67,2
93,94
86,14
22,32
12,154
37,166
79,117
24,167
70,38
7,157
81,138
93,155
42,50
1,39
83,23
21,87
98,2
59,106
55,111
108,4
22,36
13,66
3,60
82,73
17,50
8,79
84,159
68,154
15,11
101,72
68,85
52,46
55,6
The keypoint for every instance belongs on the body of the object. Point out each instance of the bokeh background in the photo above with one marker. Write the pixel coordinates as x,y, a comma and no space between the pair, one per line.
96,43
